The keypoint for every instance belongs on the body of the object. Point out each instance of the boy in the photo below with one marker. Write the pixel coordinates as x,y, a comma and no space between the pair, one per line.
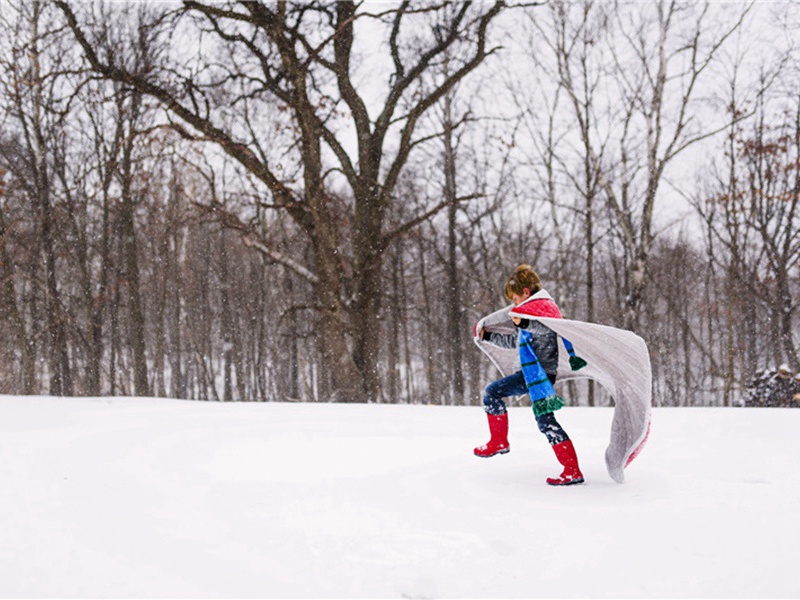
538,352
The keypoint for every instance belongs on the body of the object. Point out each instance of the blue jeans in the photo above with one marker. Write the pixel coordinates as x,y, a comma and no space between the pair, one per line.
514,385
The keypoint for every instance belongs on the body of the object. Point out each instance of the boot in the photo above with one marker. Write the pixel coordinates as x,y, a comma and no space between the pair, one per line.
498,444
565,453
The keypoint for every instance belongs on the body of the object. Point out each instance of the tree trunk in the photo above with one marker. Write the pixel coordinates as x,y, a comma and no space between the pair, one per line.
100,304
291,338
175,265
393,328
426,322
9,307
60,371
637,282
453,303
130,257
340,379
227,318
114,342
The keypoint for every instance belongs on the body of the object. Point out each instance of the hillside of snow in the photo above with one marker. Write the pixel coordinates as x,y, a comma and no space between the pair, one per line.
164,498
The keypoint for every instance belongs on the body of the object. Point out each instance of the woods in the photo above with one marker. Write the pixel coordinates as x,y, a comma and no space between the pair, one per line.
260,201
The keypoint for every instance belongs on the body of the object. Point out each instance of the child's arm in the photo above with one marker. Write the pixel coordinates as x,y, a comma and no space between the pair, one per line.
501,340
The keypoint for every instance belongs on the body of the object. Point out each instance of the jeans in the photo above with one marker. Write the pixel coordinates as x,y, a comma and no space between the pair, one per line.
514,385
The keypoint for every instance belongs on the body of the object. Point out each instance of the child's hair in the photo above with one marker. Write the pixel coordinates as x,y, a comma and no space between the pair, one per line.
523,277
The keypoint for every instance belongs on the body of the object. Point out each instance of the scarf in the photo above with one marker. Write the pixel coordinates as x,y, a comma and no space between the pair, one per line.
543,396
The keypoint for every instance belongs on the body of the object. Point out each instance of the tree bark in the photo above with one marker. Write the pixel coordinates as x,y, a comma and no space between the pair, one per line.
130,254
59,362
10,308
453,301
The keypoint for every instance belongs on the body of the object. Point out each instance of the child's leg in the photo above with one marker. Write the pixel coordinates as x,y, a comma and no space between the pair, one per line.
495,407
495,393
551,428
548,425
563,448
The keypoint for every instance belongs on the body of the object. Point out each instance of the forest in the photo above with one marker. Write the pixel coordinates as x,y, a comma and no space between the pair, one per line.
316,201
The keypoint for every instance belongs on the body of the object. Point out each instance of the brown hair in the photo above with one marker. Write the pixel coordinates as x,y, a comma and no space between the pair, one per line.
523,277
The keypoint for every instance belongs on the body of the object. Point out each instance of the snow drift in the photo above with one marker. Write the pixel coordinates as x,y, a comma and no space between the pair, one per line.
164,498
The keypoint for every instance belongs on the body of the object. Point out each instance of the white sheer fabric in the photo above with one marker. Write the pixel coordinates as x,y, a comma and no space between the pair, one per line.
617,359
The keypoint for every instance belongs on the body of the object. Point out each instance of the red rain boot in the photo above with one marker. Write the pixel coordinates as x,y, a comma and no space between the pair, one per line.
565,453
498,427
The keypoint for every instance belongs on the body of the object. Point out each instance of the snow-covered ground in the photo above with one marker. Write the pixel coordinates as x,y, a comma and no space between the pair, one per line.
152,497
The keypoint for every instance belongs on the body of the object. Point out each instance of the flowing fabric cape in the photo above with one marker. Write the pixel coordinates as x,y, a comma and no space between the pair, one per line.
616,358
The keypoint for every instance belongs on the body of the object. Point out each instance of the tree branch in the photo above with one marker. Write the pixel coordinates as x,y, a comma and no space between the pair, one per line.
251,239
235,149
405,227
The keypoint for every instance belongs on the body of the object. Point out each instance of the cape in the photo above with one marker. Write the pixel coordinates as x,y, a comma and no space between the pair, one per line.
616,358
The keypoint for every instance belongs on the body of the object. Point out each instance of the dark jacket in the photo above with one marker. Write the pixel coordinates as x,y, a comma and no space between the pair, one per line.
545,344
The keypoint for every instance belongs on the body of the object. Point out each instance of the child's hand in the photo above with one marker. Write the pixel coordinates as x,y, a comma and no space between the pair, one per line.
516,320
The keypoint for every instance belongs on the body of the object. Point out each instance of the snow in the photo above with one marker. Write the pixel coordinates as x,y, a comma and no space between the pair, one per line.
132,497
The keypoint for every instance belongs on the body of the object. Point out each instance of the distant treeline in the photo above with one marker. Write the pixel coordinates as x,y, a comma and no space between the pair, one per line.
274,201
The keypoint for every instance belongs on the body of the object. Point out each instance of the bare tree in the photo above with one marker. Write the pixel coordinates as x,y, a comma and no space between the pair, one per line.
288,52
761,203
9,306
659,69
33,98
574,35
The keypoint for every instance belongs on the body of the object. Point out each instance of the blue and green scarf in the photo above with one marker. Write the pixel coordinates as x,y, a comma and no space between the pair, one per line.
543,395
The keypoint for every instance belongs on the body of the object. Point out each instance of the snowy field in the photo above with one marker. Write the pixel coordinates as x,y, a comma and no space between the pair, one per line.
165,498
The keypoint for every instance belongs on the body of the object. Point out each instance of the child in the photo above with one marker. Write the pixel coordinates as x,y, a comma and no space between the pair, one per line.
538,352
